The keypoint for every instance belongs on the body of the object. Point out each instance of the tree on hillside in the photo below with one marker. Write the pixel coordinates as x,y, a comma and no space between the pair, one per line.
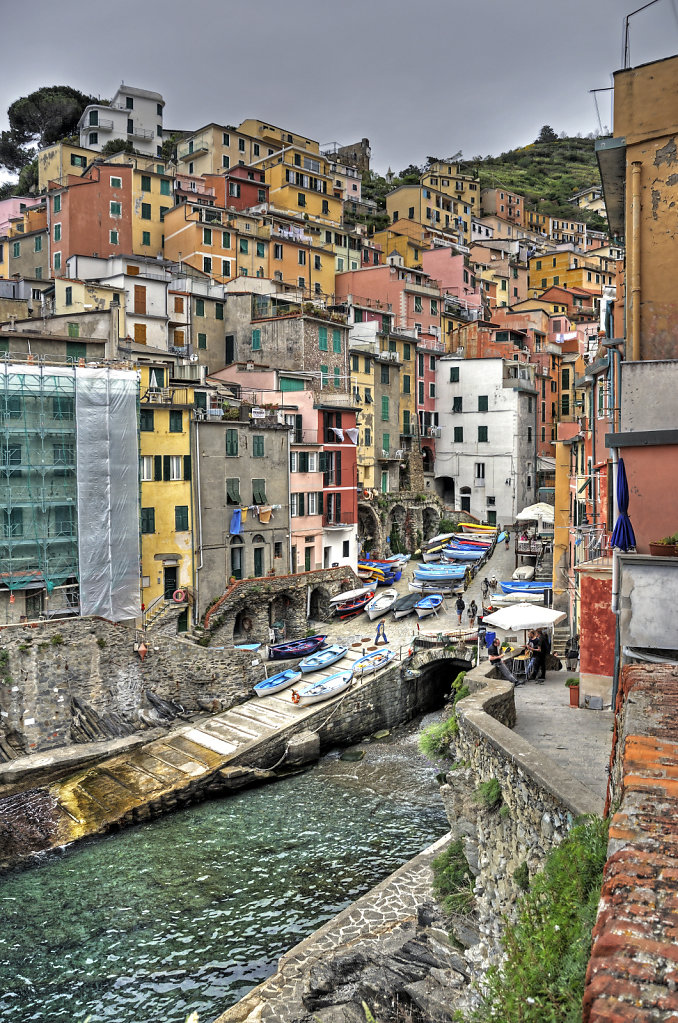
39,119
547,134
117,146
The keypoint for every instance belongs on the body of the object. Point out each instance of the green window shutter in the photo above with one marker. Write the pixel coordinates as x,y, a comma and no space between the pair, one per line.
337,377
482,403
322,339
146,238
384,407
202,341
459,434
320,502
219,311
289,384
145,211
323,376
75,351
145,183
482,433
181,518
165,467
258,446
148,520
386,441
302,461
146,420
231,442
300,504
259,491
199,307
200,399
157,468
337,467
256,340
187,467
406,421
176,421
336,341
406,384
164,187
233,490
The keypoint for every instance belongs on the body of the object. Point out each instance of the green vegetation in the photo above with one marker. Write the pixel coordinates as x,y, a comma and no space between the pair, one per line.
453,880
548,947
521,875
101,642
57,639
5,676
488,794
546,172
435,741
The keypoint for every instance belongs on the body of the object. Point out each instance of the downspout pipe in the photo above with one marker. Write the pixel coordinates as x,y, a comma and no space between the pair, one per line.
635,261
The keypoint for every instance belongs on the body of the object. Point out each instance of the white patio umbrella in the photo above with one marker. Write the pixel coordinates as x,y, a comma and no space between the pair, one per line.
536,512
524,616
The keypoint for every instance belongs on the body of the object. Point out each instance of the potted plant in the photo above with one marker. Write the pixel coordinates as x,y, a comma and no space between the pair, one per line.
573,685
665,548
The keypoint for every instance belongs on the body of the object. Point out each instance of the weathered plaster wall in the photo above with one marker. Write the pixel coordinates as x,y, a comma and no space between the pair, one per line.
597,626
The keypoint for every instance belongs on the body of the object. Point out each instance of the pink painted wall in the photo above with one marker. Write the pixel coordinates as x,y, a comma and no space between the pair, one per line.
597,626
10,208
651,473
447,267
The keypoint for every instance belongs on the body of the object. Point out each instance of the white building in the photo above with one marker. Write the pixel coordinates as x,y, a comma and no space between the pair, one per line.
134,115
486,458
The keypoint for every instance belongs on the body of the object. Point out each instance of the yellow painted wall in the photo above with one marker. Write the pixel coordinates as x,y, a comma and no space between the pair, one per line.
56,162
87,298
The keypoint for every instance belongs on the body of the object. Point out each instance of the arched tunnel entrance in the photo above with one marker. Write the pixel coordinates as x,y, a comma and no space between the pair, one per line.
435,680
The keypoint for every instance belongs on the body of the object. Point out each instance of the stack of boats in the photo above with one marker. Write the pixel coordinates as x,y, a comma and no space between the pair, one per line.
323,657
384,572
513,590
450,558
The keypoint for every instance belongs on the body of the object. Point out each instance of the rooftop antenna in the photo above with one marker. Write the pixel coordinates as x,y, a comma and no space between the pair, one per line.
626,55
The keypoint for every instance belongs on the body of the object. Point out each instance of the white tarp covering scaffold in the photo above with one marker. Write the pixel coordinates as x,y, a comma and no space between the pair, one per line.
107,460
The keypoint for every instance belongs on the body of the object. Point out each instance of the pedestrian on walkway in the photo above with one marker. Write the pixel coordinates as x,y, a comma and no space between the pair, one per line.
460,606
497,662
472,613
572,652
508,539
544,651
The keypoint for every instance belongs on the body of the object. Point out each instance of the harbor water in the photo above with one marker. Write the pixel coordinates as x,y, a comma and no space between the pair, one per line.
187,913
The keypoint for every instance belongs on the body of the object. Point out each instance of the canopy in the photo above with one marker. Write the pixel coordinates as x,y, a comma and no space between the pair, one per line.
536,512
623,536
523,616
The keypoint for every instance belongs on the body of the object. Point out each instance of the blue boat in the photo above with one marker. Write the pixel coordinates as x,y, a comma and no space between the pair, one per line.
247,646
428,605
461,554
525,585
437,573
372,662
295,648
322,690
275,683
323,658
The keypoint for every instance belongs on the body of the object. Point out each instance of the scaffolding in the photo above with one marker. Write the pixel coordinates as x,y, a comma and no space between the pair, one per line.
38,527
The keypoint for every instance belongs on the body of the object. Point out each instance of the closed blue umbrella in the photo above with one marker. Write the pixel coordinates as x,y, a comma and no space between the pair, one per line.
623,536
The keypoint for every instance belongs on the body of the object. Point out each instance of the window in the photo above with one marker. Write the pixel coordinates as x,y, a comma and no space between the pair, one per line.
259,491
68,296
386,442
225,268
56,204
145,210
16,249
482,434
458,434
165,187
384,407
146,468
431,390
64,456
176,421
529,433
454,374
261,249
233,490
482,403
241,145
146,423
172,468
181,518
243,246
417,304
146,238
336,341
301,257
113,237
565,404
406,384
316,262
207,264
258,445
256,340
301,199
232,442
145,183
566,379
277,251
458,403
479,470
93,138
116,209
434,307
199,307
225,162
202,341
322,339
148,520
323,376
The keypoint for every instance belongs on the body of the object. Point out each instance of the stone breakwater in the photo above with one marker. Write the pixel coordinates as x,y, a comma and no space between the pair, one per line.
391,948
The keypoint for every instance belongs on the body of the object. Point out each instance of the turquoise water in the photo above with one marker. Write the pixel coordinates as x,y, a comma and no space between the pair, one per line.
189,912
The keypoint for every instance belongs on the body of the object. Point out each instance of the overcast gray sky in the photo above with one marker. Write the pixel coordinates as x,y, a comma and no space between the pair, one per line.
417,77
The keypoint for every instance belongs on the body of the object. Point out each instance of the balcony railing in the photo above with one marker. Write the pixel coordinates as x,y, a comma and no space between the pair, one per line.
141,133
103,124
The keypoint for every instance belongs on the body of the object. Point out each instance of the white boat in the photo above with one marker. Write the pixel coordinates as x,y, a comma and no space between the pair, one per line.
322,690
524,572
506,599
424,587
372,662
275,683
323,658
347,595
428,605
381,603
405,605
432,555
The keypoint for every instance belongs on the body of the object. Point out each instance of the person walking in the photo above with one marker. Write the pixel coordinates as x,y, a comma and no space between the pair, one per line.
472,613
572,652
460,606
508,539
497,662
544,651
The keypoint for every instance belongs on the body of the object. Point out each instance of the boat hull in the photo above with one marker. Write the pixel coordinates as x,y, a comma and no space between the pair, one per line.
296,648
428,605
372,662
381,604
276,683
317,691
323,659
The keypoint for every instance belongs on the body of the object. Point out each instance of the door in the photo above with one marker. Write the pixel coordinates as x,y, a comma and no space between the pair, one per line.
182,621
492,518
384,483
294,559
230,349
466,502
258,561
307,558
327,552
170,573
236,562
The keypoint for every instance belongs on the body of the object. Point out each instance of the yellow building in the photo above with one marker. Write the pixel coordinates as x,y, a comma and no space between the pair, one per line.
75,296
445,199
464,188
570,269
166,491
362,391
408,247
56,162
215,148
277,138
206,238
300,182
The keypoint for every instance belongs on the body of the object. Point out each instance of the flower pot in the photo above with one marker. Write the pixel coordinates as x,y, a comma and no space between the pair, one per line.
663,550
574,696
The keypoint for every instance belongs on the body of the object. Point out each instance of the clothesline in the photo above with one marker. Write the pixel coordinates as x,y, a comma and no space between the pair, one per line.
262,511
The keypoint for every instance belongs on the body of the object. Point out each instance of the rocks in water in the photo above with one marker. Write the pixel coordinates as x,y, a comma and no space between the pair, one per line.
352,756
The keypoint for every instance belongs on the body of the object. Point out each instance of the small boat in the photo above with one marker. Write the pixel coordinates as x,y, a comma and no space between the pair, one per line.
247,646
461,554
405,605
528,596
277,682
322,690
323,658
428,605
296,648
435,573
346,596
381,603
372,662
524,572
389,579
525,585
435,540
432,555
476,527
355,605
423,588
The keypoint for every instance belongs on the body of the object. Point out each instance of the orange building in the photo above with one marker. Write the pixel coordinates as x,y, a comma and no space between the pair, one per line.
91,215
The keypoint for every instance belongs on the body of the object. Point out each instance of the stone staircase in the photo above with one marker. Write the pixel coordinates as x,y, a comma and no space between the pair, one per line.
561,634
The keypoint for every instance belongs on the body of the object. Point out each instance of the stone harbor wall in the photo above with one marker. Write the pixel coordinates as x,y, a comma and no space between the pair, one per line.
81,680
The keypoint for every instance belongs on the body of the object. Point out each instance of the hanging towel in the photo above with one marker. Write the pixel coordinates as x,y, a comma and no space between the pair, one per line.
352,435
265,513
244,514
339,433
236,523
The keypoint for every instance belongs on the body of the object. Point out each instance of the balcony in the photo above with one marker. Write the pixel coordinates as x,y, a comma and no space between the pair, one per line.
166,396
198,147
141,133
429,290
331,524
306,437
103,124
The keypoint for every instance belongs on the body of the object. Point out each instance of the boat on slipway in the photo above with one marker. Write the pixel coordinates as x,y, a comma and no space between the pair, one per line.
357,599
323,659
295,648
381,603
405,605
372,662
277,682
324,689
428,605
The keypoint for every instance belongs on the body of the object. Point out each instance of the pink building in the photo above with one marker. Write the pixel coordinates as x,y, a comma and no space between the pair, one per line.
13,207
428,353
450,269
409,296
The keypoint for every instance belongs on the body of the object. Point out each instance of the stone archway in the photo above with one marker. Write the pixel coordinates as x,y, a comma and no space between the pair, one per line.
243,625
319,608
430,522
281,611
369,529
446,489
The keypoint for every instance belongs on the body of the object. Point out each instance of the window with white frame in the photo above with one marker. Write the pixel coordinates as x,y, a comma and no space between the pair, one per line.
146,468
312,503
175,467
116,182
